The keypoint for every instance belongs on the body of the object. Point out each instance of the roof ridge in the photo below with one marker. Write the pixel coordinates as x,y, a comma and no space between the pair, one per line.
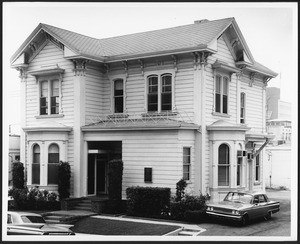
175,27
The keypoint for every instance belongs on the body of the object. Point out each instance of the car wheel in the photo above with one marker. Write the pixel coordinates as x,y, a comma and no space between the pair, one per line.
244,220
268,216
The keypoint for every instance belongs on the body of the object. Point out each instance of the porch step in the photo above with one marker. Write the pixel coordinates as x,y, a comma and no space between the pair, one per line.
83,204
188,232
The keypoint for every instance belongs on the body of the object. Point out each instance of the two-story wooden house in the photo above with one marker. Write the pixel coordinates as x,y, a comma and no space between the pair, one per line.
184,102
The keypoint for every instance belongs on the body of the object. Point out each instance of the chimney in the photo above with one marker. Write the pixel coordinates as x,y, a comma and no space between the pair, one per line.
201,21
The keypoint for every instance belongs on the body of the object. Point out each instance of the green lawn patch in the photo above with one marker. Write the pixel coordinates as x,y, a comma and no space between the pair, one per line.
116,227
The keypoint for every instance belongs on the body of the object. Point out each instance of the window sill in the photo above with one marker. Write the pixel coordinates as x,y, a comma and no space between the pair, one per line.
117,116
221,115
161,114
49,116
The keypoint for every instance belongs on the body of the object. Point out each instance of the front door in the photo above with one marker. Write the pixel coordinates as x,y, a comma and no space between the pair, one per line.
97,174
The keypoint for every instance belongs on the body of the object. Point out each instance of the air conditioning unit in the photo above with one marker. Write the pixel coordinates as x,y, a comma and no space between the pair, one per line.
241,153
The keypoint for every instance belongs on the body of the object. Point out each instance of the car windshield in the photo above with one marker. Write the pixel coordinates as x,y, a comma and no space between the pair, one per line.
33,219
238,197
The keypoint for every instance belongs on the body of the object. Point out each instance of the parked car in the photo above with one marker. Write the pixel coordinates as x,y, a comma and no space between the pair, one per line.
242,207
23,223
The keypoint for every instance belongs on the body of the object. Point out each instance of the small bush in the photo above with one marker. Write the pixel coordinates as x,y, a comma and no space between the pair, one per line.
148,201
180,188
184,209
18,175
64,176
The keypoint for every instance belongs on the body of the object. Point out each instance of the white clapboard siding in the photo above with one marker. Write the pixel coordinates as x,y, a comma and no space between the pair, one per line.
135,94
50,55
224,53
161,150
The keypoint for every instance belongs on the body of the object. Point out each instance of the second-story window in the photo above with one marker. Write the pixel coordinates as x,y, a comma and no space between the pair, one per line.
186,163
221,94
118,96
243,108
159,93
153,93
49,97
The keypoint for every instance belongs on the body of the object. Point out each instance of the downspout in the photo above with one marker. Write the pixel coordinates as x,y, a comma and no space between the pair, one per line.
262,147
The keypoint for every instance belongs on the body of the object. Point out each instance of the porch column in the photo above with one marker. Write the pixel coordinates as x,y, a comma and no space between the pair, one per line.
79,120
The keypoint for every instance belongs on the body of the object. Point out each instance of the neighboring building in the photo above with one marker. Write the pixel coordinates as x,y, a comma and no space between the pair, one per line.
277,166
277,109
282,129
13,154
185,102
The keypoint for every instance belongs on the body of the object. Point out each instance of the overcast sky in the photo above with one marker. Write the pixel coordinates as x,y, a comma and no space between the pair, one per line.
270,31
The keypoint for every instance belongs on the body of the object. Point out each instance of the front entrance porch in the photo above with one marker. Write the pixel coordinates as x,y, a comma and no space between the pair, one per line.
99,154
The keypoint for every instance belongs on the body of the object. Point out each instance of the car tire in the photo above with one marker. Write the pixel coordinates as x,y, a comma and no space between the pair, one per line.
244,220
268,215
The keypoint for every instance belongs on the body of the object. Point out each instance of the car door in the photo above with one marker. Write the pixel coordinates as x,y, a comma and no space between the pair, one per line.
263,205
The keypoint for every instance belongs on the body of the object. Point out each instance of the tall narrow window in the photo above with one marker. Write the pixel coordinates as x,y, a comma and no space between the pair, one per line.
221,95
223,165
243,108
53,161
225,95
36,165
54,97
44,98
166,92
257,168
152,93
186,163
118,96
239,167
218,94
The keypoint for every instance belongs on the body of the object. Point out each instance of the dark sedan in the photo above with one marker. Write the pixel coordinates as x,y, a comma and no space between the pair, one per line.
242,207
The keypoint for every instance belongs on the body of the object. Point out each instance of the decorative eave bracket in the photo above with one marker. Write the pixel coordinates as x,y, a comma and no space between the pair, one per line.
142,65
251,77
79,66
175,59
22,71
125,64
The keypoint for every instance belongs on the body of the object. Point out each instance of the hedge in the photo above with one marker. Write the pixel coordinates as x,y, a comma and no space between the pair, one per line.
18,175
148,201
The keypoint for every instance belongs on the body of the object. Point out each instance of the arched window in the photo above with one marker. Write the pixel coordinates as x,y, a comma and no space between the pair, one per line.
36,165
239,166
53,161
166,92
223,165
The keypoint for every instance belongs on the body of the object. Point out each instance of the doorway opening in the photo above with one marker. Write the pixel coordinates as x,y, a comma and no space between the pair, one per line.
99,154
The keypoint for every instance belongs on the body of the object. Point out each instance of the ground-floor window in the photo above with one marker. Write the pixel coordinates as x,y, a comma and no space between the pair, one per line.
36,165
239,168
53,161
257,168
186,163
223,165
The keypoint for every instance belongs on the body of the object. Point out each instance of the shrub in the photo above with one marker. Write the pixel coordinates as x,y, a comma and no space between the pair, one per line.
180,188
34,199
189,207
148,201
64,176
18,175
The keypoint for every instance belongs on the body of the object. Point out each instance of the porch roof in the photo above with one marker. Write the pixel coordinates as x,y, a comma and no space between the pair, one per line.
140,124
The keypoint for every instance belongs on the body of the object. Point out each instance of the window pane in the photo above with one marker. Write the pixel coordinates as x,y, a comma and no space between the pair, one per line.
218,84
153,84
242,100
35,173
44,89
223,154
53,158
186,151
119,104
148,174
223,175
43,105
166,101
166,83
55,88
218,103
225,85
118,85
54,105
152,102
52,173
224,104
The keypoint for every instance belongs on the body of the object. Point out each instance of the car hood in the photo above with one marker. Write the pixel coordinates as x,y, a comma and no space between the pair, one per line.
230,205
47,227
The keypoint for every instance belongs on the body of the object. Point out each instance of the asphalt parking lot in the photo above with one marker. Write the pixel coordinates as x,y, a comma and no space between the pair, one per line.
278,225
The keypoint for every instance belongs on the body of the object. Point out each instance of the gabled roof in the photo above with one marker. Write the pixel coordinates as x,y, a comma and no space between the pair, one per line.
194,37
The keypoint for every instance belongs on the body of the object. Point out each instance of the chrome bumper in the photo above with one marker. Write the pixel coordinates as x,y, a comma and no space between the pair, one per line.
227,216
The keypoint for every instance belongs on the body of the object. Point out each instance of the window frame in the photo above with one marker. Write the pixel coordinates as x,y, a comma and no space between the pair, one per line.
50,79
222,95
36,164
52,164
227,165
243,108
186,164
239,168
257,168
112,79
160,74
118,96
